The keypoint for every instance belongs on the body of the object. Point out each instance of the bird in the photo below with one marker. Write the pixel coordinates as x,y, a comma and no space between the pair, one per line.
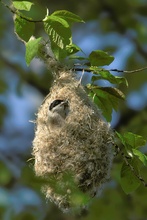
57,113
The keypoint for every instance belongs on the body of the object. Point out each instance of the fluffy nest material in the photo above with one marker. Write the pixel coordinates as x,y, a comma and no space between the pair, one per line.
82,147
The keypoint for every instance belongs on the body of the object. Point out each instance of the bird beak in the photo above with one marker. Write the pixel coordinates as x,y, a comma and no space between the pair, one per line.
66,102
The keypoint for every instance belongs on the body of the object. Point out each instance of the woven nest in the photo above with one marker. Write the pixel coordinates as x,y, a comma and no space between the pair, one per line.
82,147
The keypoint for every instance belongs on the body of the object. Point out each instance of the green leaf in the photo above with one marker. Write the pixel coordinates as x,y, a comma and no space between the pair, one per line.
142,157
24,29
105,74
106,98
131,139
106,109
60,34
110,100
129,182
134,140
120,80
113,91
72,49
32,48
67,16
22,5
52,19
58,52
121,138
100,58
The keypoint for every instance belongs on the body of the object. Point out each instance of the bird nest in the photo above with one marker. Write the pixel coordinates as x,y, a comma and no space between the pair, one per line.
80,149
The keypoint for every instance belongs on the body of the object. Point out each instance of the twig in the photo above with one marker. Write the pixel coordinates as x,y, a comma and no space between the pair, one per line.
82,69
128,71
114,70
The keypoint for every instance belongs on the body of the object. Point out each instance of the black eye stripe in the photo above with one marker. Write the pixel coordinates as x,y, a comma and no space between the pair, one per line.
55,103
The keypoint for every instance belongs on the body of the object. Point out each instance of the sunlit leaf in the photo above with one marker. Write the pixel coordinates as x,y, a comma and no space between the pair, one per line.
72,48
106,75
100,58
59,32
32,49
131,139
134,140
68,16
142,157
22,5
52,19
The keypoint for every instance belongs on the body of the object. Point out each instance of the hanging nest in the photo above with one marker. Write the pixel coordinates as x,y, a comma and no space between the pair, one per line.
80,150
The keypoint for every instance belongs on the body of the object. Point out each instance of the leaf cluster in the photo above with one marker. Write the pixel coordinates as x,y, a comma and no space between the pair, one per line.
133,161
56,25
107,98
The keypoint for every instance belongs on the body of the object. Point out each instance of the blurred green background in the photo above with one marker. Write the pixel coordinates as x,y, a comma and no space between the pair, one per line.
120,28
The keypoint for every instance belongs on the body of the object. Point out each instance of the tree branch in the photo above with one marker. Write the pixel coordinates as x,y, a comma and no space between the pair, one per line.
31,78
114,70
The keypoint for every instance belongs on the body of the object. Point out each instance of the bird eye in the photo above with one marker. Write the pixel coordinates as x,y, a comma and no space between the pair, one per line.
55,103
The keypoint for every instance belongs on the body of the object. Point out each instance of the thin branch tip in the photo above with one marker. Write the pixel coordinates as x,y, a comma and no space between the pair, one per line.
79,69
